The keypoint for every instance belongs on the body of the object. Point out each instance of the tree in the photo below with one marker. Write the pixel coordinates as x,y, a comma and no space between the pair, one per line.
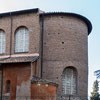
97,73
95,94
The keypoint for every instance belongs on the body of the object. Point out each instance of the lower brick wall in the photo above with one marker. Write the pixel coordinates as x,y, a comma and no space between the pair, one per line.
43,91
19,77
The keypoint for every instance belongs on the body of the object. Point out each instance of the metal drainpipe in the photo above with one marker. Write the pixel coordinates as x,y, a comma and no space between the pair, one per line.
42,31
11,34
1,82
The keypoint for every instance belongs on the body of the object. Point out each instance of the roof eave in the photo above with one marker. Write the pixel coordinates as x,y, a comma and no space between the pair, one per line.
19,12
88,23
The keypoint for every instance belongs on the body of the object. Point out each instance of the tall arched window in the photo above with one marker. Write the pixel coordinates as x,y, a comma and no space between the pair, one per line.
2,41
22,40
69,81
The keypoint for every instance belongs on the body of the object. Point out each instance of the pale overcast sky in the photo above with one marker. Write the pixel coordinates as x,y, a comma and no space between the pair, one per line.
87,8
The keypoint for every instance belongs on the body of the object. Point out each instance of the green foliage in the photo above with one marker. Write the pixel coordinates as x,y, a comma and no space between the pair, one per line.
95,94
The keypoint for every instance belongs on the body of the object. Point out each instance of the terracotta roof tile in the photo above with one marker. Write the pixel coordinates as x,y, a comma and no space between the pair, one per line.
19,59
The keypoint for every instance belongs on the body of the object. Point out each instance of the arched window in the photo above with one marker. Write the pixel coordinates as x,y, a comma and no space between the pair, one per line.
69,81
8,86
22,40
2,41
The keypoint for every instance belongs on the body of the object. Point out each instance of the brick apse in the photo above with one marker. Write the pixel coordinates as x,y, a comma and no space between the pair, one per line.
48,46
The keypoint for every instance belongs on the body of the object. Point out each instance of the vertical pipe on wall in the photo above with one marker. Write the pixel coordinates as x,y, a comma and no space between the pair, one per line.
31,70
41,44
1,82
11,34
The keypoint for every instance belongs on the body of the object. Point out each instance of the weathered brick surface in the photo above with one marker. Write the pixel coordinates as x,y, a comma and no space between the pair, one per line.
64,45
31,21
43,92
19,77
11,23
5,24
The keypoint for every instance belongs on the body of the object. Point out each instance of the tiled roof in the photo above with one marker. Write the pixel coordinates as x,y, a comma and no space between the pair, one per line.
35,10
19,59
